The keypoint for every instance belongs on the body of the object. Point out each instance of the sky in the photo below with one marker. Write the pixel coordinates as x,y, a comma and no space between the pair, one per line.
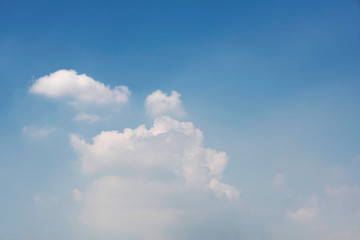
180,120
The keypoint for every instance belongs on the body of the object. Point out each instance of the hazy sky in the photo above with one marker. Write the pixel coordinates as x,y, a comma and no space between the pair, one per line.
180,120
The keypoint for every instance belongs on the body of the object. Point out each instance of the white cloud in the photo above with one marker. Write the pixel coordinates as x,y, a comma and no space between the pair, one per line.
159,103
38,132
77,195
92,118
304,215
278,182
143,207
132,207
78,87
176,146
221,189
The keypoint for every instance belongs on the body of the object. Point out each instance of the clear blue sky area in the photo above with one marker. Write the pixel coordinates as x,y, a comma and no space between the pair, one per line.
274,84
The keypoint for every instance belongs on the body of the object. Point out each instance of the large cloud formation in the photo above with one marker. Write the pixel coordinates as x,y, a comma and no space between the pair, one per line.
171,144
138,206
78,87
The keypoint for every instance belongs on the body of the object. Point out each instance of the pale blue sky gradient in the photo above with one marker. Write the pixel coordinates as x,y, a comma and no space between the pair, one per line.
274,84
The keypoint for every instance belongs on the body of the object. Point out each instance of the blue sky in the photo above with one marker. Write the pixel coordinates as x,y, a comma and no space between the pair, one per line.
272,86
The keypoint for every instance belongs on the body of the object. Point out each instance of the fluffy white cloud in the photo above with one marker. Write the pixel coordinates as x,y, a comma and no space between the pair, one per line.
159,103
176,146
38,132
78,87
221,189
278,182
143,207
304,215
128,207
92,118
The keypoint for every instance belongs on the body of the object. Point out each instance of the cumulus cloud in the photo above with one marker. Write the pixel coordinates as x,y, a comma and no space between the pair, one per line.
38,132
80,88
304,215
92,118
221,189
278,182
141,204
176,146
126,206
159,103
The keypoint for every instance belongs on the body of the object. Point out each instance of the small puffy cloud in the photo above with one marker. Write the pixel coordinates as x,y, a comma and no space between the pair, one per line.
131,207
92,118
159,103
278,182
80,88
77,195
38,199
304,215
169,144
38,132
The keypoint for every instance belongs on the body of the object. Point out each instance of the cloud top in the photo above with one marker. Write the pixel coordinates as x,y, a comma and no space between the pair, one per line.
170,144
159,103
304,215
78,87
